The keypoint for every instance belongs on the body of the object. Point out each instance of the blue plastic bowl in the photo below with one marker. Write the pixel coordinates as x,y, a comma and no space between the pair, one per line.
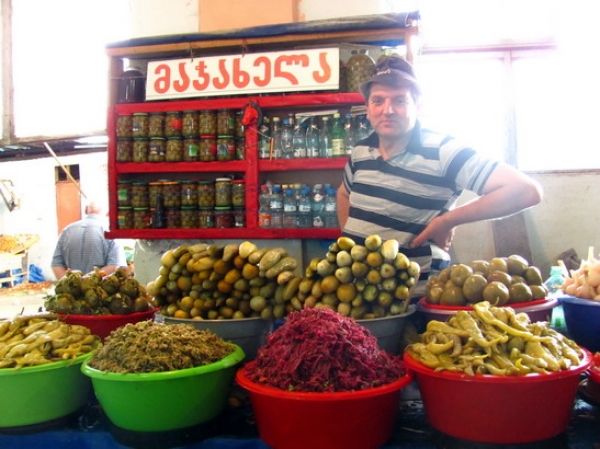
582,317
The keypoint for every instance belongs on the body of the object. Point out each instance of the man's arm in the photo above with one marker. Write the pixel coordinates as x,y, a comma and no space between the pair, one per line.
59,272
506,192
343,205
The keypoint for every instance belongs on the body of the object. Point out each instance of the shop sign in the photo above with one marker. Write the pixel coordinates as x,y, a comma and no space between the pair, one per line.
282,71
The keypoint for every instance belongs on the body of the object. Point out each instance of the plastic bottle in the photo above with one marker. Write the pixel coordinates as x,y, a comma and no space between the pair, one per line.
276,131
264,139
349,137
299,139
325,149
337,136
318,204
264,210
290,210
276,207
554,284
361,130
330,208
312,138
287,139
305,209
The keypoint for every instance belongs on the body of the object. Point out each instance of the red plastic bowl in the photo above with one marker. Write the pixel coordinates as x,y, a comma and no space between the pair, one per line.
103,325
538,310
359,419
498,409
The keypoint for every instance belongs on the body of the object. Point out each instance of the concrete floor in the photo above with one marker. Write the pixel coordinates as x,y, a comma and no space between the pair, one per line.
17,300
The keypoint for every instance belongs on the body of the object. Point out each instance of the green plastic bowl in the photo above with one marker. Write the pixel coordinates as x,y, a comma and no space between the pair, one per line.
156,402
38,394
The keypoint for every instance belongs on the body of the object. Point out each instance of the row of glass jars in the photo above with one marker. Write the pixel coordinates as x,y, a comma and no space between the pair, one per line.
187,217
205,148
221,192
221,122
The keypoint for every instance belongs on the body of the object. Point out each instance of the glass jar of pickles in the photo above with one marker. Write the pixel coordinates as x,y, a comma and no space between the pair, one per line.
189,217
124,193
240,149
139,124
207,122
238,193
189,194
157,150
141,148
239,128
171,193
141,217
239,217
174,149
173,218
206,194
156,124
124,125
206,218
139,194
190,123
173,124
225,148
208,148
223,217
226,122
191,149
223,192
125,217
154,191
124,149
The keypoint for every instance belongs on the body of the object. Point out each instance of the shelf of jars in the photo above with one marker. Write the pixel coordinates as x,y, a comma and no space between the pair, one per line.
249,168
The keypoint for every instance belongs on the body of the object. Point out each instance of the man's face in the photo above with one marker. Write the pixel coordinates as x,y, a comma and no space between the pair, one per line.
391,111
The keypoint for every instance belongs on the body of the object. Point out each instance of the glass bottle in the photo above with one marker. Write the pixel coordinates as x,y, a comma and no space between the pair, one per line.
287,139
299,139
276,131
312,138
325,148
349,137
337,136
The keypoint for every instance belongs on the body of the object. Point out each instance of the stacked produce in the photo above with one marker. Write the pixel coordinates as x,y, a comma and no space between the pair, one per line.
208,281
30,340
319,350
494,340
150,347
361,281
585,281
499,281
95,293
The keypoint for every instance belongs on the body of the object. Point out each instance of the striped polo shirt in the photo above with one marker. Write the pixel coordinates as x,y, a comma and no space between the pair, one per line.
398,197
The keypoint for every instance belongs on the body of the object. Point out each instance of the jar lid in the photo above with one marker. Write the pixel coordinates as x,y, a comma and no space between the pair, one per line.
187,181
208,136
141,139
174,112
124,139
239,181
190,110
205,209
206,182
125,181
223,180
157,138
188,208
125,208
174,138
140,183
191,136
222,208
140,208
140,113
225,136
157,113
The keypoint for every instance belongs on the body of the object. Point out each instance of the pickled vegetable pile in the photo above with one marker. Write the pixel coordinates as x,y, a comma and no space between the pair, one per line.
494,340
37,339
150,347
319,350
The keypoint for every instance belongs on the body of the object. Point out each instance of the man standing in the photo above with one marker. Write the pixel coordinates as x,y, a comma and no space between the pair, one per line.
82,246
403,181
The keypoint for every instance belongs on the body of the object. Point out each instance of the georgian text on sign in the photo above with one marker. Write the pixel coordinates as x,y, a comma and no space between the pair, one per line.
283,71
